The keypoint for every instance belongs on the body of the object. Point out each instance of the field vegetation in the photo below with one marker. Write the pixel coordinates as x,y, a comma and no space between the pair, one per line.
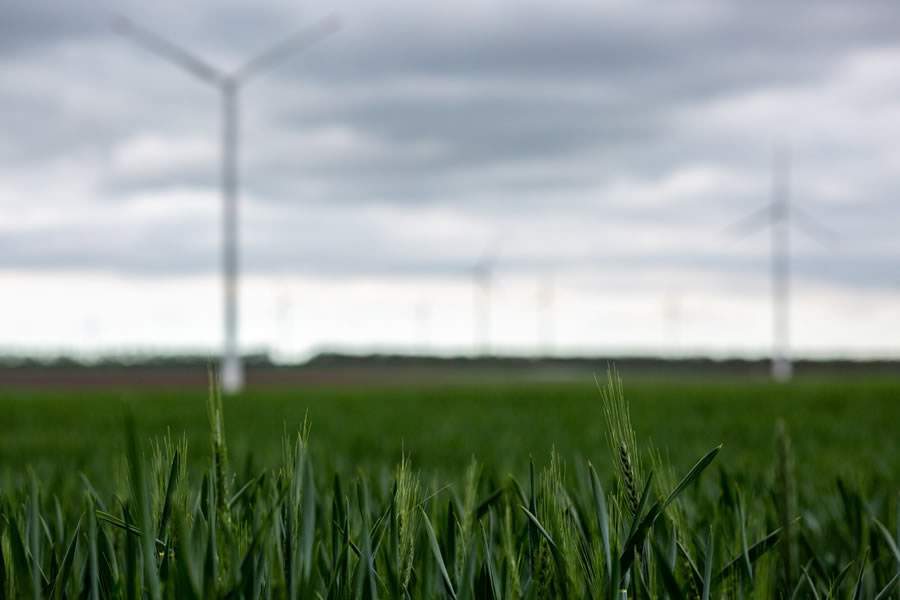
555,491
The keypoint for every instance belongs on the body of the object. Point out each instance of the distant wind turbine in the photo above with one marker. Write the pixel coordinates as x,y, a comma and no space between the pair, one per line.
284,305
483,279
423,316
672,322
779,216
229,85
545,299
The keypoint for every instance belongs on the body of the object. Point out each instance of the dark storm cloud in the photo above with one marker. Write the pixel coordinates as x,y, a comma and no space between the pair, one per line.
513,115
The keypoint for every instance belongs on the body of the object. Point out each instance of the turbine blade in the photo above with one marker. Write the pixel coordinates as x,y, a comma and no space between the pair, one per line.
167,50
753,222
816,231
296,42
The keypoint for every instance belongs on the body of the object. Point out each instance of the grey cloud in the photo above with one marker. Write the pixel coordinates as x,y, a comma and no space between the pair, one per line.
514,115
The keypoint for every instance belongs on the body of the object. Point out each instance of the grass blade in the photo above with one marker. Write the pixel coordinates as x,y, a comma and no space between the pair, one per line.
692,475
554,550
142,504
602,516
436,550
166,512
753,554
857,589
65,569
667,575
888,588
810,583
707,564
889,539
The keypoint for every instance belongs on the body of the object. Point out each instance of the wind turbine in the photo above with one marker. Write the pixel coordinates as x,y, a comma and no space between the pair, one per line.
779,216
483,280
423,317
229,85
672,315
284,306
545,298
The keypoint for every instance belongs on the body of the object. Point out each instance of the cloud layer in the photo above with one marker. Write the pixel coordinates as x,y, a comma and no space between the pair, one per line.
613,140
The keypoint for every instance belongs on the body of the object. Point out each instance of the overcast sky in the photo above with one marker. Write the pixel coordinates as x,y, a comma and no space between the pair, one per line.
596,150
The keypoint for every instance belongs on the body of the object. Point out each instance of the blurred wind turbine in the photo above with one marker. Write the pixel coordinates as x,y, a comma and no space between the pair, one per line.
284,306
779,216
672,316
229,84
483,279
545,298
423,316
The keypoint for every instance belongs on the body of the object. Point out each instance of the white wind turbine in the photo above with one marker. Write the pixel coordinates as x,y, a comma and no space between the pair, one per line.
779,216
483,280
546,297
229,84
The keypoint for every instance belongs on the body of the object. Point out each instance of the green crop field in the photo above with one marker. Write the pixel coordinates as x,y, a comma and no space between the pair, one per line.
839,428
467,490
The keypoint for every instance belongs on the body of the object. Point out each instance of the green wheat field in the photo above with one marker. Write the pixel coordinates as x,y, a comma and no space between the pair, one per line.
685,488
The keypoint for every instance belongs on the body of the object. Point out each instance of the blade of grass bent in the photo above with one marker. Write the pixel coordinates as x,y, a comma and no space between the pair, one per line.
436,550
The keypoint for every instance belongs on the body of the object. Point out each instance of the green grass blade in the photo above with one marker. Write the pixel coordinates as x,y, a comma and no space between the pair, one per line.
857,589
466,585
244,489
754,553
745,548
490,563
450,537
693,571
166,512
93,570
886,590
889,539
22,568
602,516
34,537
554,550
436,551
141,497
810,583
637,532
307,522
485,505
692,475
4,575
839,579
130,528
708,563
132,568
667,575
65,569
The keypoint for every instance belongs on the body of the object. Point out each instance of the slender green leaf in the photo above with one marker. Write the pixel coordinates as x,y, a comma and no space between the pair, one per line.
666,574
889,539
602,516
754,553
436,551
887,589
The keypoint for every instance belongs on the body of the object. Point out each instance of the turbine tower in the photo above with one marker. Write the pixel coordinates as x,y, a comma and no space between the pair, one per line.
780,216
423,318
546,297
672,316
483,280
229,85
